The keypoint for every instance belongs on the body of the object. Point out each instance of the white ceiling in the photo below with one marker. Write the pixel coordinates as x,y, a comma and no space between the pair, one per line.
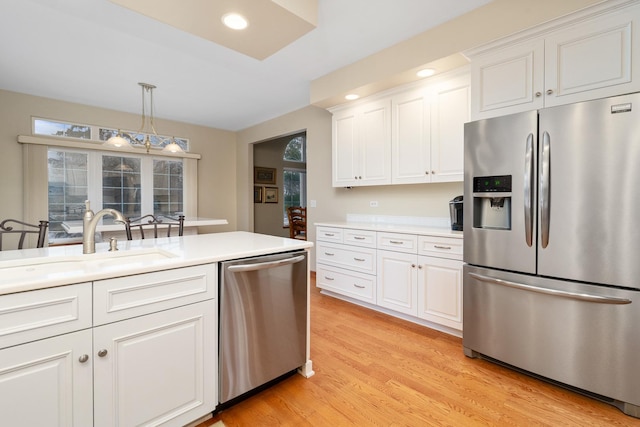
94,52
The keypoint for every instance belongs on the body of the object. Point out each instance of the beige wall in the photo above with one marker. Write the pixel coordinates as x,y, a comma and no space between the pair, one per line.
216,192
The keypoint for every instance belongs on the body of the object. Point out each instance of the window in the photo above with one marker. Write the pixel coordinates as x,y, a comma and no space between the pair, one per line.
68,188
295,150
294,178
133,184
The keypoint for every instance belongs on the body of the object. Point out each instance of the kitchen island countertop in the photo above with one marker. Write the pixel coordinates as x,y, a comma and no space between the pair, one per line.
19,274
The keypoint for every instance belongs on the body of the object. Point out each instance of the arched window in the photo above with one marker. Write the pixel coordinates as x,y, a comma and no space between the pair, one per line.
295,150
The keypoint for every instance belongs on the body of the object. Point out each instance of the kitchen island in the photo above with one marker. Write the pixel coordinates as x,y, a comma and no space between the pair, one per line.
117,338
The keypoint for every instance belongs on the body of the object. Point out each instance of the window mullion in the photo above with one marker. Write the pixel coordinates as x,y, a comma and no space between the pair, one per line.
146,178
94,179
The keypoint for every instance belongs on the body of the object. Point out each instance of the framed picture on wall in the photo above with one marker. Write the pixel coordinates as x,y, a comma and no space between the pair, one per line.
257,194
264,175
271,194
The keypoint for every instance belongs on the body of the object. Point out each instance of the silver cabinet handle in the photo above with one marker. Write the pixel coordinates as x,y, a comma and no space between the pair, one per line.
102,353
554,292
538,94
84,358
358,238
549,91
358,286
329,234
396,242
545,177
329,254
528,193
329,278
442,247
358,259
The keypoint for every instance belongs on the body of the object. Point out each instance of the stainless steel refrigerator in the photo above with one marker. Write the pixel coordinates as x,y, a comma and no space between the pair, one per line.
552,245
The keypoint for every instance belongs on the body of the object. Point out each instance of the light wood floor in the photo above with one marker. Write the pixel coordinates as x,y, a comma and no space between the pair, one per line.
375,370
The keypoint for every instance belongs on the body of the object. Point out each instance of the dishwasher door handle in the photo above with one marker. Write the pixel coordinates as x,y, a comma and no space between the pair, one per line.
262,265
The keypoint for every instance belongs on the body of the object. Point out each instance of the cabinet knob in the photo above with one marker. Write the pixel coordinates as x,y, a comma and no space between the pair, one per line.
419,266
413,266
359,177
549,91
433,172
426,172
84,358
538,94
102,353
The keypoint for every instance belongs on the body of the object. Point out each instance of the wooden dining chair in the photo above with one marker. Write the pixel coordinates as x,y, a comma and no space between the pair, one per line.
154,222
297,216
8,226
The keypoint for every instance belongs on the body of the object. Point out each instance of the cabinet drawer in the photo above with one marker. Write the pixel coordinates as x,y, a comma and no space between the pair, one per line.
363,238
30,316
329,234
398,242
441,247
126,297
348,283
349,257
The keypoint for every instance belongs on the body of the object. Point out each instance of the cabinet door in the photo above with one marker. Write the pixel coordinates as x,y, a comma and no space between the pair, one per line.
508,81
157,369
344,148
397,281
449,114
48,382
411,137
440,291
374,143
593,60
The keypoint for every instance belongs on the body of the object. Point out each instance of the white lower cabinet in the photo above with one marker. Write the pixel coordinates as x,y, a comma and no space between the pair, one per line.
417,277
48,382
156,369
440,291
148,357
397,282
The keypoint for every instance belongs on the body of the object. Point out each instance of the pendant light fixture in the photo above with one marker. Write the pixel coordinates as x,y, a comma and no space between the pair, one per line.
146,124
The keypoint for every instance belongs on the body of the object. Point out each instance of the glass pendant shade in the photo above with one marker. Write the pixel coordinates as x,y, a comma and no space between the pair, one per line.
173,148
117,141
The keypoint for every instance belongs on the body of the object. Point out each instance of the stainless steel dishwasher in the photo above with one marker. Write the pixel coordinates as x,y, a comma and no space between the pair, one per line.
263,320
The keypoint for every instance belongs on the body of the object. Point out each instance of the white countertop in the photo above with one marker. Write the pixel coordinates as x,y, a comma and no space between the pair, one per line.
72,227
184,251
424,230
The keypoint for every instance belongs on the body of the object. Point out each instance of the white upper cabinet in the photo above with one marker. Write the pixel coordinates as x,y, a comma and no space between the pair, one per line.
592,54
411,137
449,113
407,136
428,131
362,145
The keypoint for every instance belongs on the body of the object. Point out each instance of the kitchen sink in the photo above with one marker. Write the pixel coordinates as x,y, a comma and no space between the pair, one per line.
55,266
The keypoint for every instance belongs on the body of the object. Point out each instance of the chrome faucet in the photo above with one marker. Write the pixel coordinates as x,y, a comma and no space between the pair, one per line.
89,224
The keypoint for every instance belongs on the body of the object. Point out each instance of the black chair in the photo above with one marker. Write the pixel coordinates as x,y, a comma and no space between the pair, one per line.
152,222
8,227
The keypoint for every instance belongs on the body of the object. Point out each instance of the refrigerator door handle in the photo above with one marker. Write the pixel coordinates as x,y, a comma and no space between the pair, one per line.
545,176
528,193
554,292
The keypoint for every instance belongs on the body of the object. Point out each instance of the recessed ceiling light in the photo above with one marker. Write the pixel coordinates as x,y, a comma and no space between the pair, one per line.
235,21
351,97
426,72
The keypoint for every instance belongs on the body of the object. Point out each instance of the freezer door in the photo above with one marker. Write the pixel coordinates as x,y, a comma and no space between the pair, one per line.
500,216
582,335
589,199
